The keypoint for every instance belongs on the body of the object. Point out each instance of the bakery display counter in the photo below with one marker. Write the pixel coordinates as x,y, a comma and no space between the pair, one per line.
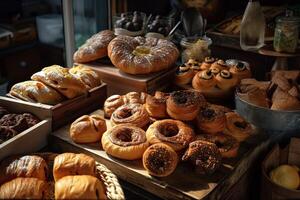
191,184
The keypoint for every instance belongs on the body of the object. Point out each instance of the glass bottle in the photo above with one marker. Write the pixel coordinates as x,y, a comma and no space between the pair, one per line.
252,34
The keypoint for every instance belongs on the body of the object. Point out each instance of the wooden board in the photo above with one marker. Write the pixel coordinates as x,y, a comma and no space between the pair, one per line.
184,183
30,140
121,83
68,110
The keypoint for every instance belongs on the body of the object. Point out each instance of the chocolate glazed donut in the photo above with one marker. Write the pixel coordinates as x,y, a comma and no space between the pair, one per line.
185,104
134,113
125,141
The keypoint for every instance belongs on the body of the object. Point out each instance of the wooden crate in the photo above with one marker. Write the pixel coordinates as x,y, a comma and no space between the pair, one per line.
69,110
184,183
121,83
30,140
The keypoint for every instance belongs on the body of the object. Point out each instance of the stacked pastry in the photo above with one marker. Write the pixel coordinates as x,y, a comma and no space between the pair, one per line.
213,77
281,93
12,124
158,128
27,177
54,84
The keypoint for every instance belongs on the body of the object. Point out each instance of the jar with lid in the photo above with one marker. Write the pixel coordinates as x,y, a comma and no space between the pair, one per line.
195,47
286,33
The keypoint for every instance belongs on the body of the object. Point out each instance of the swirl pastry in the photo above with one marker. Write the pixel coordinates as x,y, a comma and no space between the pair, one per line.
174,133
138,55
237,127
226,81
204,81
241,71
156,107
60,79
185,104
95,47
135,114
211,119
112,103
89,77
205,156
184,75
207,63
159,94
160,160
194,65
220,64
87,129
125,141
135,97
227,145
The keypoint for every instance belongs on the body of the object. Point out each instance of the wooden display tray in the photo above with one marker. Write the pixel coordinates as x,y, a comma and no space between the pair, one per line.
30,140
66,111
121,83
184,183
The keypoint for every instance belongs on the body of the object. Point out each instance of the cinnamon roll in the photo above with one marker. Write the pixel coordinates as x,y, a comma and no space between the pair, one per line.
220,64
111,104
237,127
125,141
133,113
184,75
226,81
160,160
156,107
185,104
204,81
241,70
135,97
205,156
211,119
174,133
207,63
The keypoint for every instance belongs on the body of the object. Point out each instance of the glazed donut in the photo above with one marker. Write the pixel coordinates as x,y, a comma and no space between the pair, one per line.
134,114
135,97
207,63
125,141
204,81
111,104
156,107
227,145
237,127
204,155
185,104
184,75
226,81
160,160
138,55
241,70
220,64
172,132
211,119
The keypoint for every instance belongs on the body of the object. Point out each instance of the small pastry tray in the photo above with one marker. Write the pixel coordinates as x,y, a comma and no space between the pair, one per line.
191,184
110,181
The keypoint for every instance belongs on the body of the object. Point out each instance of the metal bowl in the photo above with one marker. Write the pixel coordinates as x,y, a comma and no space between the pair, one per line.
267,119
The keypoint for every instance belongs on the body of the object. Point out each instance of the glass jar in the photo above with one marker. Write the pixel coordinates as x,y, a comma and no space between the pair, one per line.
196,48
286,34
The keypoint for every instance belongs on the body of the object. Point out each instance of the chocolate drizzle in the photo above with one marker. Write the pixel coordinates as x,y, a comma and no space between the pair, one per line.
186,97
123,135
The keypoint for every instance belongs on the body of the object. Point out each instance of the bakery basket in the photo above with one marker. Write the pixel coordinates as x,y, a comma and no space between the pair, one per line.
112,186
273,121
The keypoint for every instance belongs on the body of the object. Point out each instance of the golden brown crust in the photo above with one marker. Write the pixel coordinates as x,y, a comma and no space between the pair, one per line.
138,55
184,75
67,164
87,129
60,79
135,97
133,113
207,63
156,107
204,155
160,160
237,127
37,92
174,133
211,119
241,71
220,64
204,81
89,77
112,103
95,47
79,187
226,81
24,188
125,141
185,104
283,100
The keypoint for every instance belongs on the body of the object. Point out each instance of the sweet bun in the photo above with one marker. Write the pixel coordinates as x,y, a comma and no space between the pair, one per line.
204,81
24,188
207,63
73,164
60,79
37,92
160,160
94,48
220,64
135,97
87,129
156,106
226,81
89,77
184,75
79,187
125,142
112,103
241,71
